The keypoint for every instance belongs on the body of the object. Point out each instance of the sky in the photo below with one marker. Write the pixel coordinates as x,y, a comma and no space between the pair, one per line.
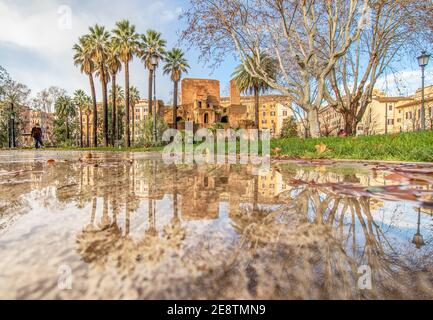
36,39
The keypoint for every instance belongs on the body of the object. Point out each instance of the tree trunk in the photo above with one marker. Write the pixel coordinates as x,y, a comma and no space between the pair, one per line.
88,129
150,92
175,94
67,128
104,104
127,109
350,123
95,111
313,123
12,127
114,112
133,123
81,128
256,108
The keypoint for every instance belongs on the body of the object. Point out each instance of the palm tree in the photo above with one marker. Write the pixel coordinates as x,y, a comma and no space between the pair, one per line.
175,65
152,45
134,98
83,59
127,45
251,85
65,109
120,101
80,100
98,42
114,66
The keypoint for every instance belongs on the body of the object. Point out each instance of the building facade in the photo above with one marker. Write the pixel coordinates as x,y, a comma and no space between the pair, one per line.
30,118
202,104
408,116
380,117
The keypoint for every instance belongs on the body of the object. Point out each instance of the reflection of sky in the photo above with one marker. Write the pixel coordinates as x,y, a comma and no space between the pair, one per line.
397,223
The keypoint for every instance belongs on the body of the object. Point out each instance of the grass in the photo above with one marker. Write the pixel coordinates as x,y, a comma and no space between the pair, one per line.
414,146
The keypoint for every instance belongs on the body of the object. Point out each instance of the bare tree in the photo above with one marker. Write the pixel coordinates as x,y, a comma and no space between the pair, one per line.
306,37
389,32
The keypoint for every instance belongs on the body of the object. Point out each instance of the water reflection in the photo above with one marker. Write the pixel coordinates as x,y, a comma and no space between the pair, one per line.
136,228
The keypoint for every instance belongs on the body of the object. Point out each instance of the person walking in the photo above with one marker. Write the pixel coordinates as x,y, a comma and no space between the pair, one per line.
37,135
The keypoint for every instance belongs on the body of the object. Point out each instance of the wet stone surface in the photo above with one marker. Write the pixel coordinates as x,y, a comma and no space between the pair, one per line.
126,226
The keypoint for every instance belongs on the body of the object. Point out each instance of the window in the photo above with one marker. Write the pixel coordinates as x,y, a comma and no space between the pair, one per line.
264,122
264,114
272,114
399,120
390,122
206,118
284,113
390,108
199,104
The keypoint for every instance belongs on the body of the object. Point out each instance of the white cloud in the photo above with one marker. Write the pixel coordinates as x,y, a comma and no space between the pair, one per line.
405,82
36,48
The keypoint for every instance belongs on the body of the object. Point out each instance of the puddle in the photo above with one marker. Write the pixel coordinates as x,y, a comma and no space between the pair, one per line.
126,226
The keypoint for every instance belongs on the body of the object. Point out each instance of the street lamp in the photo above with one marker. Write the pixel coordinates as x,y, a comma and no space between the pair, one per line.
154,63
423,60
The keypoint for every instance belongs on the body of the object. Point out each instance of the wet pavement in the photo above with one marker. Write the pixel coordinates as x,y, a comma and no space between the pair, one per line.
125,226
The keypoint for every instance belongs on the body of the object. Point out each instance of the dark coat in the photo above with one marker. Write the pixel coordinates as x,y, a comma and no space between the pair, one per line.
37,133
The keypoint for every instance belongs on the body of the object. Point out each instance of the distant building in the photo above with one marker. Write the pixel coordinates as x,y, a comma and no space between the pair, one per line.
379,117
202,104
29,118
139,113
408,116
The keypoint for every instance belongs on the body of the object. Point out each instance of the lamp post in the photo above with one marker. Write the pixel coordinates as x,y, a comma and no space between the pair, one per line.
154,63
423,60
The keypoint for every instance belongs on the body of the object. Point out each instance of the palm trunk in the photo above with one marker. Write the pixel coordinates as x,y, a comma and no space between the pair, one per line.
256,108
114,111
67,128
104,104
150,92
88,129
175,93
95,111
127,109
133,123
81,128
12,126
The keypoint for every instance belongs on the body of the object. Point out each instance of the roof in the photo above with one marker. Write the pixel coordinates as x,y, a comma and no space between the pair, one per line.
414,103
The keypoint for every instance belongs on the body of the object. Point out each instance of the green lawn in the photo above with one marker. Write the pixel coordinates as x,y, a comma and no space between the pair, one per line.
415,146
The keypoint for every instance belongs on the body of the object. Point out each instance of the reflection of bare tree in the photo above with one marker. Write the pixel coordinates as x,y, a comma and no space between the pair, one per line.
318,227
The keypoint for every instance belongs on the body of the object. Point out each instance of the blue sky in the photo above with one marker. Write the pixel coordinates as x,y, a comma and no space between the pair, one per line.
37,52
